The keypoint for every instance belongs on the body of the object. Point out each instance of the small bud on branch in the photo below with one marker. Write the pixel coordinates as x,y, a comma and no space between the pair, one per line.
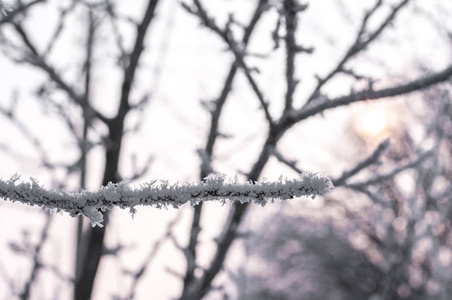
214,187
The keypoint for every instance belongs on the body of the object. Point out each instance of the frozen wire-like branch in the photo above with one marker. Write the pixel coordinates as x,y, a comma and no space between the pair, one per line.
122,195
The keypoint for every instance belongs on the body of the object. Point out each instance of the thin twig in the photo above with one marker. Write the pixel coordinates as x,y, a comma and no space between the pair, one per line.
85,282
37,265
362,40
59,29
369,94
206,155
138,275
9,113
290,163
372,159
34,58
380,178
290,9
21,8
227,36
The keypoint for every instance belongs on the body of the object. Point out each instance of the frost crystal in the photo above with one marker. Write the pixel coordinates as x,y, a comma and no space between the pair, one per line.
94,215
215,187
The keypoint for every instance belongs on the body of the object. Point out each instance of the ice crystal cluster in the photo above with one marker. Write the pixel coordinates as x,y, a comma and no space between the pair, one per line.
214,187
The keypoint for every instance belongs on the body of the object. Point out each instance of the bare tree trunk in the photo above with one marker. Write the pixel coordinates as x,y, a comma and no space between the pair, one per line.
84,284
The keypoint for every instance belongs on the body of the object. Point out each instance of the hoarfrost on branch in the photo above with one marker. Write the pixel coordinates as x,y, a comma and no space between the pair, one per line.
214,187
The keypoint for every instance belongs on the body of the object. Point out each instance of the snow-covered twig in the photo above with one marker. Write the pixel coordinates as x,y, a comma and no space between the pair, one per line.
214,187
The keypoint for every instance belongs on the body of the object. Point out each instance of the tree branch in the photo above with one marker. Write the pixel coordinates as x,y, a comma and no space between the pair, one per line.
129,72
138,275
63,16
369,94
372,159
290,163
37,60
219,103
121,195
37,265
84,284
361,42
206,169
28,134
21,8
291,8
238,51
380,178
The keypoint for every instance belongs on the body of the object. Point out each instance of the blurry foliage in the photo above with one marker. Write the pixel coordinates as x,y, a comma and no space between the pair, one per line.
395,244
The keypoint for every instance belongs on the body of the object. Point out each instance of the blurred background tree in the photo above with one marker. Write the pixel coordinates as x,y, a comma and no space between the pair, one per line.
393,243
101,91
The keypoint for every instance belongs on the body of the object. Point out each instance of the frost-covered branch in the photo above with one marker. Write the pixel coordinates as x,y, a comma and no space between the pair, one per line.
215,187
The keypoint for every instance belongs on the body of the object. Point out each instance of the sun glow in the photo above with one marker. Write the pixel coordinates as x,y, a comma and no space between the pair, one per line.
373,121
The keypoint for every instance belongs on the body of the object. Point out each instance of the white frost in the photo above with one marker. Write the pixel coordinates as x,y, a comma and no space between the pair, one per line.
215,187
